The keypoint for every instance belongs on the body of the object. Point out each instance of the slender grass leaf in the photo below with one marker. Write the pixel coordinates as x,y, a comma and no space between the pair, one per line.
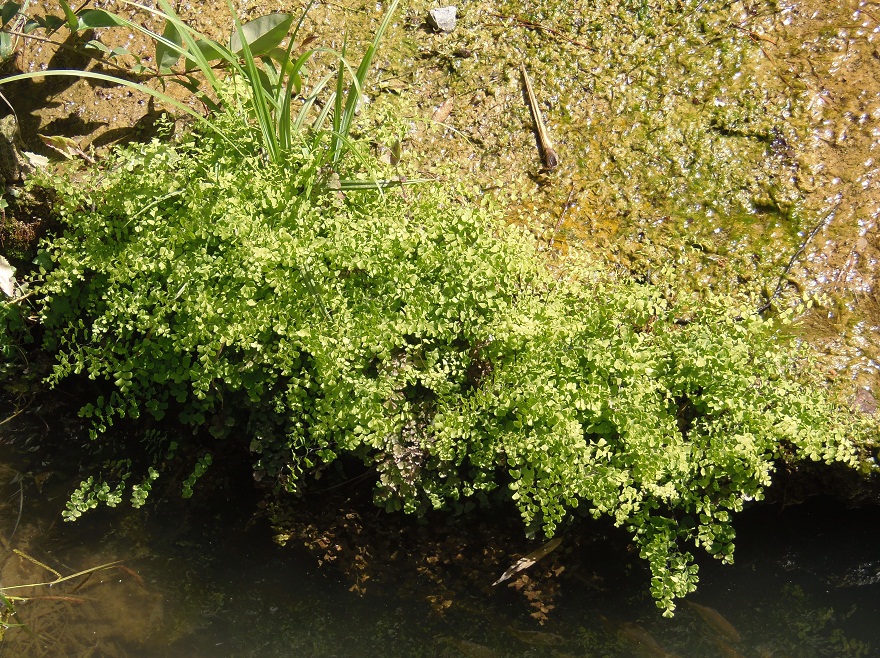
356,90
309,102
281,57
335,150
261,34
189,38
285,92
251,74
351,185
299,23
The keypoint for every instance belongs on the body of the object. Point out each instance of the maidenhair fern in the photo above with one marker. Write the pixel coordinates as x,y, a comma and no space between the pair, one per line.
424,337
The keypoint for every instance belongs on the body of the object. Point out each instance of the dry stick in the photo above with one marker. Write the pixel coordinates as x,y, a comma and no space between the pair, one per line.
550,158
18,412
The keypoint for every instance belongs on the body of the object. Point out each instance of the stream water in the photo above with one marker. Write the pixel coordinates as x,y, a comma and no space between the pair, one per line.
196,579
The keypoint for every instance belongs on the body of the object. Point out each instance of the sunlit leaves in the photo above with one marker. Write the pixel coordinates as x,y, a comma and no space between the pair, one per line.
425,338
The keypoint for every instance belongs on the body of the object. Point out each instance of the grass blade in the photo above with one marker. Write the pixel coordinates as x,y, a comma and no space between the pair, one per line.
337,107
356,90
251,74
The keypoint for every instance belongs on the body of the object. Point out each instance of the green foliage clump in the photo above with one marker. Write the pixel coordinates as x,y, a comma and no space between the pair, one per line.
424,337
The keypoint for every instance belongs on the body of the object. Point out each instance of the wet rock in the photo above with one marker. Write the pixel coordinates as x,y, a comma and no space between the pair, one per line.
443,19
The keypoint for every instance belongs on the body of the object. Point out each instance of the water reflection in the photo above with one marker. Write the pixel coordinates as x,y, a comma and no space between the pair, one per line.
197,581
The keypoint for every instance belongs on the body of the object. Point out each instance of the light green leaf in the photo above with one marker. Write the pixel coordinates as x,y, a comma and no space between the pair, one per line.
262,34
72,20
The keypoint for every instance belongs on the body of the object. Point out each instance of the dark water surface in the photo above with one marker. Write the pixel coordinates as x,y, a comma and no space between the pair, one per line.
197,580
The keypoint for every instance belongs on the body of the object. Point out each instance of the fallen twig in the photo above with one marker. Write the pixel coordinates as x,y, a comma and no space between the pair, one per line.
550,157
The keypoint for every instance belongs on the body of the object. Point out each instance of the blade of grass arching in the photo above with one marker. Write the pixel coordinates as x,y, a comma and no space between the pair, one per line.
310,100
99,18
165,98
355,185
337,104
286,91
258,95
356,91
292,42
285,132
307,105
301,20
334,103
267,78
371,184
285,136
260,103
197,44
193,53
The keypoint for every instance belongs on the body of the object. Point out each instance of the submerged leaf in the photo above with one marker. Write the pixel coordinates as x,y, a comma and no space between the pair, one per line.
530,559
